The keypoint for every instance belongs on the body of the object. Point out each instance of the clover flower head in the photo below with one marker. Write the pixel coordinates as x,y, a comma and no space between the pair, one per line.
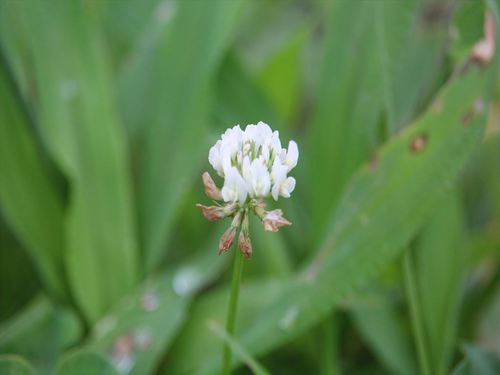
254,166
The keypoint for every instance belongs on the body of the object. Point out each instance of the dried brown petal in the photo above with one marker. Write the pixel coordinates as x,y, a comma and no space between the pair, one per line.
484,50
212,213
211,190
273,220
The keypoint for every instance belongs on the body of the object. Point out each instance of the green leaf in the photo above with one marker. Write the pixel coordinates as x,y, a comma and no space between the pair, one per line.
411,48
127,24
79,124
147,321
16,288
144,323
439,261
381,327
383,208
238,350
375,51
280,78
28,198
478,362
84,363
173,143
198,349
14,365
28,333
239,100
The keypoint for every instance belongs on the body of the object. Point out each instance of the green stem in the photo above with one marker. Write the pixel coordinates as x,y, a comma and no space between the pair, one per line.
416,314
329,358
233,306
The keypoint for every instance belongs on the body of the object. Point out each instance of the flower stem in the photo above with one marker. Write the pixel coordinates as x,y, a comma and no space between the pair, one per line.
416,313
233,306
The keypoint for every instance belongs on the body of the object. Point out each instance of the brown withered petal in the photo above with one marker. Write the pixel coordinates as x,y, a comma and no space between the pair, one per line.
273,220
211,190
227,239
212,213
245,244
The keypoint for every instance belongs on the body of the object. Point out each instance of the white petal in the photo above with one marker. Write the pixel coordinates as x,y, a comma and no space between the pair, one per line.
278,176
234,188
287,187
292,155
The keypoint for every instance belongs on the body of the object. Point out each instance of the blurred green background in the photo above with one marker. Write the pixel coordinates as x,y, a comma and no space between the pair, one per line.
107,112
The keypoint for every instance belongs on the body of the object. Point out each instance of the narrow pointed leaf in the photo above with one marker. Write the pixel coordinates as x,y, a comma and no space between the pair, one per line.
374,52
174,141
79,124
29,200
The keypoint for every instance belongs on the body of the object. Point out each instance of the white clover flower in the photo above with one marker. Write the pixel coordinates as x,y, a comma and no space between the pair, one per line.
253,163
254,166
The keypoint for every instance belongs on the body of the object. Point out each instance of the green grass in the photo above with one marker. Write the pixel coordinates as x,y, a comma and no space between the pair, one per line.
107,113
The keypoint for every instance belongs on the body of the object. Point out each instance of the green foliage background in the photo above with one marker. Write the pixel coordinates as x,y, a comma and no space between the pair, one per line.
107,111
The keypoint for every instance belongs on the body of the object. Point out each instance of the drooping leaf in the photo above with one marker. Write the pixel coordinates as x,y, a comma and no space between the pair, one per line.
386,203
79,125
29,200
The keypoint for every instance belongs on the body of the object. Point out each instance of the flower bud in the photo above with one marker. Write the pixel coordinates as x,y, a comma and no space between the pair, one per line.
227,240
244,242
211,190
273,220
212,213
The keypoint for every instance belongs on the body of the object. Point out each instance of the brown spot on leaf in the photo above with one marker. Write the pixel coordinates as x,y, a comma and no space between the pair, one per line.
418,143
435,14
467,117
437,105
477,108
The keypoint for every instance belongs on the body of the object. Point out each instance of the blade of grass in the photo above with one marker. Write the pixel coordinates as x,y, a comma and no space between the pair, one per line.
237,349
415,306
29,199
173,144
377,319
374,51
439,261
79,125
